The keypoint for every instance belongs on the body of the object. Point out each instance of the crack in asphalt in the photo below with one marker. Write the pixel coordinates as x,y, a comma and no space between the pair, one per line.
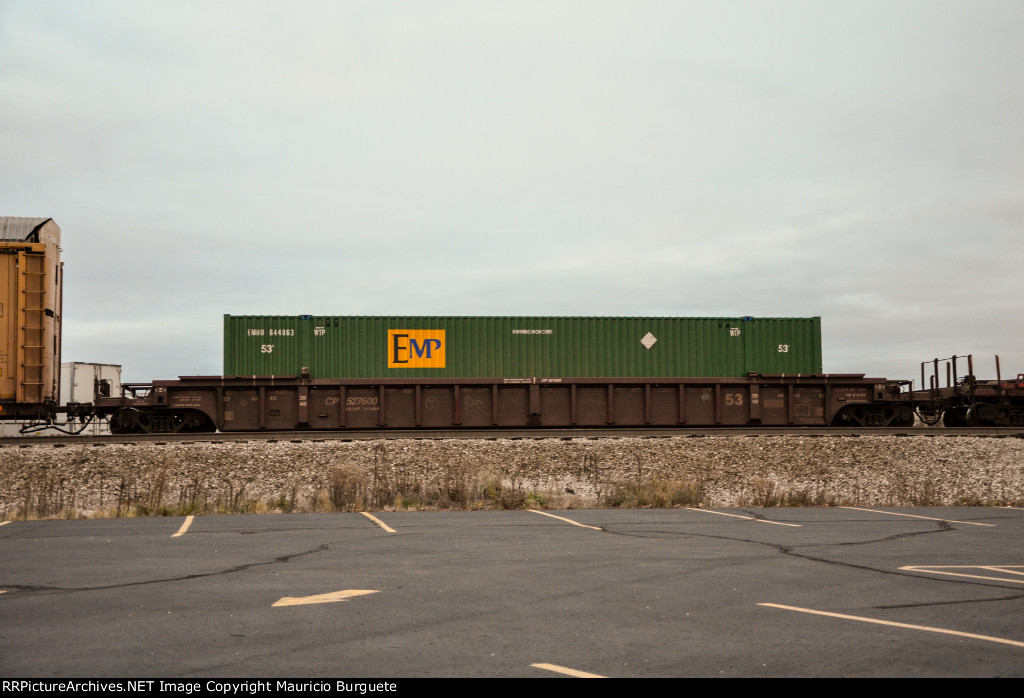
231,570
942,527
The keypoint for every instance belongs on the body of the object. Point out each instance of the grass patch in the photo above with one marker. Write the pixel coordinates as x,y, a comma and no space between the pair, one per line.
655,493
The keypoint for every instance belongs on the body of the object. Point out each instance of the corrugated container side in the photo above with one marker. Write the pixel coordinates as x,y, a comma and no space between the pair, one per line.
264,345
784,346
483,347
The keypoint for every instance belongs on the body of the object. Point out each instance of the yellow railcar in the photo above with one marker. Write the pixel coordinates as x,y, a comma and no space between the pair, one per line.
31,286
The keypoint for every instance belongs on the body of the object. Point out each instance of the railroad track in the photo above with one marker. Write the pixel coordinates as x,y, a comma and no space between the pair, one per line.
514,434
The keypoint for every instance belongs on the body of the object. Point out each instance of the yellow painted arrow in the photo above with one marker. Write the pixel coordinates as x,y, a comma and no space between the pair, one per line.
323,598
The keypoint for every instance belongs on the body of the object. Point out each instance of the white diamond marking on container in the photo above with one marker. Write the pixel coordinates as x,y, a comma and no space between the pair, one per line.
648,340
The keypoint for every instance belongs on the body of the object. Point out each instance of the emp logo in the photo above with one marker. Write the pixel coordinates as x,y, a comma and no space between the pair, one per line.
416,349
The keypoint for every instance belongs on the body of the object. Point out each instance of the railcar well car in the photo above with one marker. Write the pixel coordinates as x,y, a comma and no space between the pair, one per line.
205,403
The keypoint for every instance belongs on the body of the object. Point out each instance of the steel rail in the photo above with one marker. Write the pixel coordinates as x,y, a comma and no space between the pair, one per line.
516,434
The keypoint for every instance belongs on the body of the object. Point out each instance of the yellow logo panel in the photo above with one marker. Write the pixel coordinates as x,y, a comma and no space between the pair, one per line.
416,348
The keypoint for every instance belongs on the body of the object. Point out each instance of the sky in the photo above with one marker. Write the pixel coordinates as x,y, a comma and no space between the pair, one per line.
858,161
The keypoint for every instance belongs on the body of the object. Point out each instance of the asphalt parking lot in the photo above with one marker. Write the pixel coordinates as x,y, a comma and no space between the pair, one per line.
782,592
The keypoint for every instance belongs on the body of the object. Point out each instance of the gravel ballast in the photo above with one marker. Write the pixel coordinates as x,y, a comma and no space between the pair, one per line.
723,471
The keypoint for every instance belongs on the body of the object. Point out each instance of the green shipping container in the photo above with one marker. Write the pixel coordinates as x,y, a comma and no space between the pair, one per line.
518,347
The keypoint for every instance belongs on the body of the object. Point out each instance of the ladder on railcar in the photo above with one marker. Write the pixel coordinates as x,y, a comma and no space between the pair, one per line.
32,327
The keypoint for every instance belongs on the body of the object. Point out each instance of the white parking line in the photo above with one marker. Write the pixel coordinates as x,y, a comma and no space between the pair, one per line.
566,670
1005,569
184,526
748,518
915,516
377,521
562,518
944,631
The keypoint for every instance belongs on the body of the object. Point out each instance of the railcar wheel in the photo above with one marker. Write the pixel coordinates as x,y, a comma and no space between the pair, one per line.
134,421
990,416
977,416
874,416
125,421
955,417
845,418
195,423
904,417
189,421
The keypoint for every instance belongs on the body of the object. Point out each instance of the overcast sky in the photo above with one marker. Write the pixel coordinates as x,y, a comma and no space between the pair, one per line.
859,161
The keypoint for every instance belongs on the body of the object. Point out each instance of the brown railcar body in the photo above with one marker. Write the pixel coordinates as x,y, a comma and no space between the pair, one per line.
268,403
